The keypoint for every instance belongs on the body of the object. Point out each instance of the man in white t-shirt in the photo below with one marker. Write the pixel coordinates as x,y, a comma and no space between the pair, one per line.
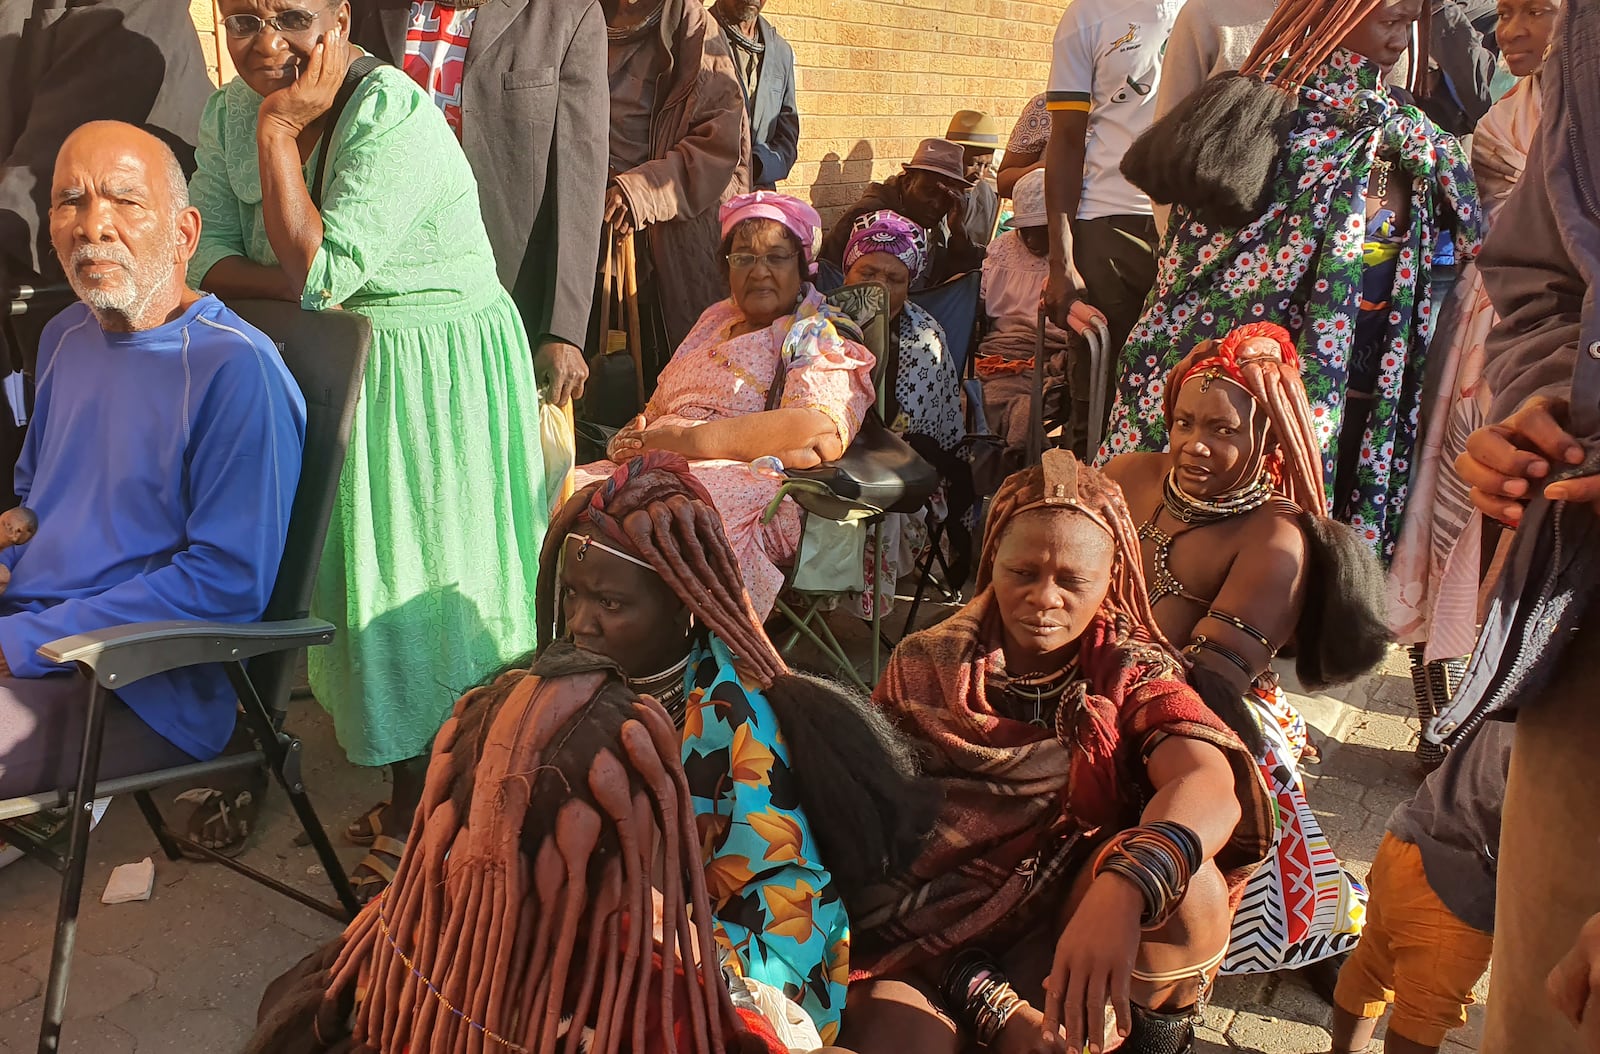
1102,94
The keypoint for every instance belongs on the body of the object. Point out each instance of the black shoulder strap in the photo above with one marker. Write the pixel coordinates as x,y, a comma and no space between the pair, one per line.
352,80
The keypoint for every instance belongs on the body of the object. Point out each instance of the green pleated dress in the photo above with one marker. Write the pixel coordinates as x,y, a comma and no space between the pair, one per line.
432,555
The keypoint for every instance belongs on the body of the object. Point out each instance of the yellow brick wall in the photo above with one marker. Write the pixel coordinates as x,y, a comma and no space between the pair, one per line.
877,76
204,13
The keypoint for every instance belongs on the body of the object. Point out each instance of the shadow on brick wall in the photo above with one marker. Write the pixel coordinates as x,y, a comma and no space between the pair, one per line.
839,182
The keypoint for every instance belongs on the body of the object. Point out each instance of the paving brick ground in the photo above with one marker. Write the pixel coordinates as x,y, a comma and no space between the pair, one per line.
182,973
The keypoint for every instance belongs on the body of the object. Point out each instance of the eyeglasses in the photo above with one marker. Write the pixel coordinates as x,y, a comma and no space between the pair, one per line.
745,261
294,20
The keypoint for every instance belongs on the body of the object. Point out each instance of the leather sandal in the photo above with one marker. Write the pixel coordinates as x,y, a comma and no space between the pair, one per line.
368,826
378,868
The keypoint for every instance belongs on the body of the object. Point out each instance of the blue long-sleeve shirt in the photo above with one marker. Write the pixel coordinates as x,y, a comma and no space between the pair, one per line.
162,466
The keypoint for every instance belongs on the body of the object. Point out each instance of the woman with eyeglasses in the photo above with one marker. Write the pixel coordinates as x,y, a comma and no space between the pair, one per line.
773,370
431,564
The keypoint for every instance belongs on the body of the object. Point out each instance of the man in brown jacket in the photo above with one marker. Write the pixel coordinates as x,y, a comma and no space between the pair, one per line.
680,147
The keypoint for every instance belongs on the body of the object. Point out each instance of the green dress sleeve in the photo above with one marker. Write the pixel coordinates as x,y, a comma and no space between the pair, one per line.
380,189
210,191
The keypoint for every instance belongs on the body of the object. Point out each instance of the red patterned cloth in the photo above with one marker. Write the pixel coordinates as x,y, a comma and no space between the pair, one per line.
436,54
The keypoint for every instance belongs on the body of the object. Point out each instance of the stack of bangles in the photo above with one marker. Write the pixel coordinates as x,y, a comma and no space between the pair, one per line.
1159,859
977,992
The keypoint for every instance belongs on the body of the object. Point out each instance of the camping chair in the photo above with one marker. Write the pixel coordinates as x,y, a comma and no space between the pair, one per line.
327,354
877,476
955,305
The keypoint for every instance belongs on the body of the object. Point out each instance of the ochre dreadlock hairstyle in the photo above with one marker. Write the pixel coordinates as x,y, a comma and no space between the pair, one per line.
1302,34
859,778
1261,358
1218,151
523,901
654,507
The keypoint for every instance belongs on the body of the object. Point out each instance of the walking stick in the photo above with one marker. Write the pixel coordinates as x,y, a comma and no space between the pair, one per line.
630,294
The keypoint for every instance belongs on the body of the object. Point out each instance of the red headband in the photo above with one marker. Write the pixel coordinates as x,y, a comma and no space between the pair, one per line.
1226,357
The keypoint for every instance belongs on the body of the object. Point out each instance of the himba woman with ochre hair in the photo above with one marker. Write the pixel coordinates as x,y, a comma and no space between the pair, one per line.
1098,822
1307,194
522,917
803,793
1242,560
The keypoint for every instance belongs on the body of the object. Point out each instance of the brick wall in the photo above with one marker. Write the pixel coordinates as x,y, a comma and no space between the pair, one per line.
205,16
877,76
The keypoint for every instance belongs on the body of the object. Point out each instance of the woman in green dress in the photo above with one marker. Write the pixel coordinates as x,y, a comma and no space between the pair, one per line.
433,551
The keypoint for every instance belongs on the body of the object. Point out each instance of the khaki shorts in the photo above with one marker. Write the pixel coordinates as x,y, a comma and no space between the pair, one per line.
1414,953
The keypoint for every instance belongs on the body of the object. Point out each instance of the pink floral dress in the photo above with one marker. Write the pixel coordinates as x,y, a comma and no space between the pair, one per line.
715,376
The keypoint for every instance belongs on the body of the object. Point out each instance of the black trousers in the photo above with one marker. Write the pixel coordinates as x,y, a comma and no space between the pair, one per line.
1116,255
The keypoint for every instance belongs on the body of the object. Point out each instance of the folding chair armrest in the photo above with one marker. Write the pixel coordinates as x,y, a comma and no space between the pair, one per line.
120,655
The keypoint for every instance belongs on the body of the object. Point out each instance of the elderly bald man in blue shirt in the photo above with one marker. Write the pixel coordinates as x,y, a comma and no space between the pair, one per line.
161,462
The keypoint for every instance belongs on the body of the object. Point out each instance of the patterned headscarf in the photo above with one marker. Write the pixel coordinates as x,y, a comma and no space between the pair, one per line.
798,218
888,232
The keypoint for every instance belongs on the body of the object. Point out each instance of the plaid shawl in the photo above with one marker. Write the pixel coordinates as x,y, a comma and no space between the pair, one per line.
1024,805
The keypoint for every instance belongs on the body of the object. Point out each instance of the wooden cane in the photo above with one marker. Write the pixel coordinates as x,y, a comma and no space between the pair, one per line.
630,293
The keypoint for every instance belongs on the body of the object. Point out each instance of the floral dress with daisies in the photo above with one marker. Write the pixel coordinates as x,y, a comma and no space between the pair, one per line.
1300,264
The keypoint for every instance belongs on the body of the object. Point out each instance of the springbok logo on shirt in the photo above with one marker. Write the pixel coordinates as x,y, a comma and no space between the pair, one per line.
1130,37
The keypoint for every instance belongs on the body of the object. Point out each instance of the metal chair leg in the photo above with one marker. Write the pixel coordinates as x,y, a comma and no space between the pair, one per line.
158,825
283,759
877,601
55,995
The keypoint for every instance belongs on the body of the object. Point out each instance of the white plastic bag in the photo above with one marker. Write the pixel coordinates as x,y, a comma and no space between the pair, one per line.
560,453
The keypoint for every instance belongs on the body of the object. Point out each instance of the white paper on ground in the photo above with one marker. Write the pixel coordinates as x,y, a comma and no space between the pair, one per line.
130,882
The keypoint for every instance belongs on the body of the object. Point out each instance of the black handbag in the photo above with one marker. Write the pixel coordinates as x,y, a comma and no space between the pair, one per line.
879,469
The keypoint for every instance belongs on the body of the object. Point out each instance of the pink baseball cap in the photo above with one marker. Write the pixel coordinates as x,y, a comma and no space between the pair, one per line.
797,217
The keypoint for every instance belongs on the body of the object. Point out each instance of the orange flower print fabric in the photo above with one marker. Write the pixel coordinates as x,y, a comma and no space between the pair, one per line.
775,905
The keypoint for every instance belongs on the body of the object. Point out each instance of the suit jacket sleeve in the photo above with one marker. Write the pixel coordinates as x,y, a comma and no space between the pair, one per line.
696,173
141,65
1538,293
578,177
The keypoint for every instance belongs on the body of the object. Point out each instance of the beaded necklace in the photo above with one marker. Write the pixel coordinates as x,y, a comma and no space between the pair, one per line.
1186,508
668,688
1040,692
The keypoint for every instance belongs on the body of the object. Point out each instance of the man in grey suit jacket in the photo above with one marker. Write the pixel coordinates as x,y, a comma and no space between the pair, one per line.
765,63
524,84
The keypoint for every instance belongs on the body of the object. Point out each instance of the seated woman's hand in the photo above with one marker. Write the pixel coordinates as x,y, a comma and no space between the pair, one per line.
1094,964
291,110
628,443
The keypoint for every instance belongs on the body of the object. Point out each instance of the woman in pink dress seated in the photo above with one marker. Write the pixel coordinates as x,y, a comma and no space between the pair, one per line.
771,371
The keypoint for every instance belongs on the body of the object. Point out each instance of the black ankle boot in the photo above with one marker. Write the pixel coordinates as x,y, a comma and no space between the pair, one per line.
1158,1033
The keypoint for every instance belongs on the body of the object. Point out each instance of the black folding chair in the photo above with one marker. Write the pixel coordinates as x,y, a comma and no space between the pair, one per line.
878,475
327,354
